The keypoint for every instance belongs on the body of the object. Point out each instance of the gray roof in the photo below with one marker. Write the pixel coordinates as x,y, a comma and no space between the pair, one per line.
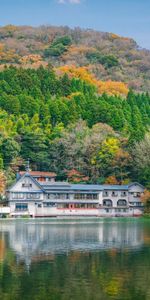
68,187
61,186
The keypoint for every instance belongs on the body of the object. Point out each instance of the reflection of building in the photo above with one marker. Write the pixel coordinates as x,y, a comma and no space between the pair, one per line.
38,195
33,239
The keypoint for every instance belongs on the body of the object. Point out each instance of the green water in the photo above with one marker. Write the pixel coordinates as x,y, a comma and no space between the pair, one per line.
96,259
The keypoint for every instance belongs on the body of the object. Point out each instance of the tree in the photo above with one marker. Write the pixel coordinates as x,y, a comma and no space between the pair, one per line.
111,180
75,176
145,198
141,160
121,165
2,182
9,149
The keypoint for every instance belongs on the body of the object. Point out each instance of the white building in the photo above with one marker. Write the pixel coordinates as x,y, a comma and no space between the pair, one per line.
36,194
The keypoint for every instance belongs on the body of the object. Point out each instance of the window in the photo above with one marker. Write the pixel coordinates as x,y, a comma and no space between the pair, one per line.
47,204
18,196
85,205
33,196
118,210
107,202
123,193
21,207
26,184
114,194
136,194
63,205
57,196
136,204
121,202
105,193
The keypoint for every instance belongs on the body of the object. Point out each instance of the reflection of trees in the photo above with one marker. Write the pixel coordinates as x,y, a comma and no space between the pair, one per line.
98,276
102,274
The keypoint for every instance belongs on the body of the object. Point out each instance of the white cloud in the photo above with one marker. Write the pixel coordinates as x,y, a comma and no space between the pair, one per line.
69,1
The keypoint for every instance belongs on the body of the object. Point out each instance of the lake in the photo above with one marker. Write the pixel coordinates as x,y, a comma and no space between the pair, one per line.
82,259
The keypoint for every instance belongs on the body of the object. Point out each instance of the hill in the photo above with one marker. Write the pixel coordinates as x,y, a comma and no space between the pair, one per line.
106,55
65,104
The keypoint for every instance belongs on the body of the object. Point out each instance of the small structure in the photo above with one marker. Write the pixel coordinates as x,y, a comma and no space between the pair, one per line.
36,194
40,176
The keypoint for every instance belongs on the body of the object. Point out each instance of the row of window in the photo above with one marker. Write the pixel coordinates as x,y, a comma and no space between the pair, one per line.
114,193
57,196
86,196
136,203
49,205
26,196
116,210
109,202
75,196
137,195
77,205
21,207
69,206
79,196
24,206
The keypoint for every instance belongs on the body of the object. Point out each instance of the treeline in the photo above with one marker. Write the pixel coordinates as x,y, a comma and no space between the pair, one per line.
62,124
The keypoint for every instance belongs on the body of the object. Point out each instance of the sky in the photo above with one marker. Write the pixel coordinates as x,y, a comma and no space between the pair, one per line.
129,18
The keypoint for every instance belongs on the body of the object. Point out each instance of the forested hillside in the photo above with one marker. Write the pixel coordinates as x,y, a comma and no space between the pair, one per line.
64,124
106,55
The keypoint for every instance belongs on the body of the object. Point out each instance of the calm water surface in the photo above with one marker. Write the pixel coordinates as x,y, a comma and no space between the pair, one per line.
96,259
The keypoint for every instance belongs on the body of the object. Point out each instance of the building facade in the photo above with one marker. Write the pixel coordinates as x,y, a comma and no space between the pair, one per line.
37,194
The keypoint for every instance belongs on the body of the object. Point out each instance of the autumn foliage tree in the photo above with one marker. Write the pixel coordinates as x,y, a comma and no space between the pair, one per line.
2,182
109,87
146,201
76,176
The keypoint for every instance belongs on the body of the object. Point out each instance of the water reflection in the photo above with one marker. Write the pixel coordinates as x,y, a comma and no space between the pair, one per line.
33,238
75,260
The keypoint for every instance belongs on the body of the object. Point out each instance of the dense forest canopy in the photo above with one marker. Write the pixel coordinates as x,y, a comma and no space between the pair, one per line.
63,124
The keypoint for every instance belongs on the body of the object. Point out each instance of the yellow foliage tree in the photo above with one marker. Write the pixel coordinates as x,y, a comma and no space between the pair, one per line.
31,58
2,182
111,180
108,87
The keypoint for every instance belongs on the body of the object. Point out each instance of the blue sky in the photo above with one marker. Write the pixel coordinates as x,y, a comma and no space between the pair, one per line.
129,18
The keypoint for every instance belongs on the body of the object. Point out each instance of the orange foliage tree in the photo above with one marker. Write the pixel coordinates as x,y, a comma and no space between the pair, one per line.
108,87
75,176
145,198
2,182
